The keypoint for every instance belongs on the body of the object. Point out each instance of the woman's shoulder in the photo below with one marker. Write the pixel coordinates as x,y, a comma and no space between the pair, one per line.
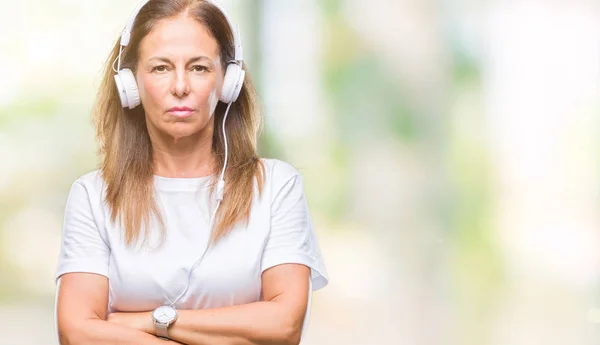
279,171
92,182
94,177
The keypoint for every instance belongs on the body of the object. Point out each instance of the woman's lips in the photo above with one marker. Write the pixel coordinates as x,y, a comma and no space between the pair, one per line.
181,112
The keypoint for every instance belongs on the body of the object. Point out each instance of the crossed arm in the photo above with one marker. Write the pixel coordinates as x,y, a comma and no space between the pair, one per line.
277,320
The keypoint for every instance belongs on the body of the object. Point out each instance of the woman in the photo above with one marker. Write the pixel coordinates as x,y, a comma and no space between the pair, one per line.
157,248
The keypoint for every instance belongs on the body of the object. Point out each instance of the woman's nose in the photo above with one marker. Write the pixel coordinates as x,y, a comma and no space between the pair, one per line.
181,85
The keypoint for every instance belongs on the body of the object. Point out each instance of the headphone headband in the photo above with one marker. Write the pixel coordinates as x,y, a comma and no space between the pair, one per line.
126,35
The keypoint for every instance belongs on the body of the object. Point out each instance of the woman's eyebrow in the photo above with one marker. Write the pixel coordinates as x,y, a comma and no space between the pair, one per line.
194,59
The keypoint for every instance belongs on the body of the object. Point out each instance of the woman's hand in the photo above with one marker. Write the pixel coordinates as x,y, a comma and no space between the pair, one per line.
139,321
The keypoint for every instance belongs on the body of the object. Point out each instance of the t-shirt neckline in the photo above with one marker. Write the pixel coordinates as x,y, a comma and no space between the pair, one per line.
182,183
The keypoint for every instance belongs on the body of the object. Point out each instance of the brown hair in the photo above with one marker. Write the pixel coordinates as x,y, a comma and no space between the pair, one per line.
126,150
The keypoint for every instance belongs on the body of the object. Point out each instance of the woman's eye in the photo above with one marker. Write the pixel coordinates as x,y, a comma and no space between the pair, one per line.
161,68
199,68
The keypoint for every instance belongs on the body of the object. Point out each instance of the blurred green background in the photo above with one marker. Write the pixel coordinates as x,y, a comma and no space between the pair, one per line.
449,150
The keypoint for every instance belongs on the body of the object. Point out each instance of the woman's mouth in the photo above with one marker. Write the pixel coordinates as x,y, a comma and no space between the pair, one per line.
181,112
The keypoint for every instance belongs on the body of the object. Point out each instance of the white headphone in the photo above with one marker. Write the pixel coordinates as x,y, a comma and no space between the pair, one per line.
232,83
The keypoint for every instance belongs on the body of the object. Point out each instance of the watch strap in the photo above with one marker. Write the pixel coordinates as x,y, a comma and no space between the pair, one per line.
162,330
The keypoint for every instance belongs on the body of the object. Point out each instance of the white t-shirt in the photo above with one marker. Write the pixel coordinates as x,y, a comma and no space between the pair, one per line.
280,231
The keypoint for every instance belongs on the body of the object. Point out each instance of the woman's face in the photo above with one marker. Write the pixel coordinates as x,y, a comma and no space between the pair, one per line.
179,78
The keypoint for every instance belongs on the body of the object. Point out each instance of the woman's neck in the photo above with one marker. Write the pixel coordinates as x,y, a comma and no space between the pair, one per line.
185,157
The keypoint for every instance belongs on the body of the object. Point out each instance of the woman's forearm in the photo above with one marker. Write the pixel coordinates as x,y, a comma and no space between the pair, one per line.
97,331
258,323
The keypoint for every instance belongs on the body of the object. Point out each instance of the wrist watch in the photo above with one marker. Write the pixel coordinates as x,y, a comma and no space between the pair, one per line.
164,316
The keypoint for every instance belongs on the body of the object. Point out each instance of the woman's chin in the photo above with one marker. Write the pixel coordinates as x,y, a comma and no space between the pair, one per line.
181,130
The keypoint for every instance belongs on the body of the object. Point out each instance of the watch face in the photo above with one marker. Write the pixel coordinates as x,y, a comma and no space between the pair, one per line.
165,314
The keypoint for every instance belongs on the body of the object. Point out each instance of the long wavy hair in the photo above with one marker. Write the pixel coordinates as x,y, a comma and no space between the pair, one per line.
126,150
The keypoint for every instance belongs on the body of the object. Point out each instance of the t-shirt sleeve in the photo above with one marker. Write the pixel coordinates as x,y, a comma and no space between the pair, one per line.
83,249
292,238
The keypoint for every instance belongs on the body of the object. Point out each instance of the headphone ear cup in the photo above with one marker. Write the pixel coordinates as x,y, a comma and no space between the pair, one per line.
238,86
128,90
121,90
232,83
